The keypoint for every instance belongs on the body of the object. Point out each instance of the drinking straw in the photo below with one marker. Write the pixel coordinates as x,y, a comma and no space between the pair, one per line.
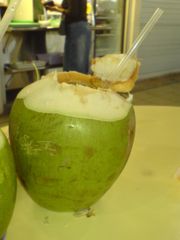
8,16
143,34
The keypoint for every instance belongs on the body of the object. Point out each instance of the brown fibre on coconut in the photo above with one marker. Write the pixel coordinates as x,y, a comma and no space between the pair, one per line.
123,82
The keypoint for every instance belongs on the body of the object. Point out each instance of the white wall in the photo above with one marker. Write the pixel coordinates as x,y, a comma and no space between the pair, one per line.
160,52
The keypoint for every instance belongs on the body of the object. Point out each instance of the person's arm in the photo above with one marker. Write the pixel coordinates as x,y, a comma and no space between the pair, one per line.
53,7
56,8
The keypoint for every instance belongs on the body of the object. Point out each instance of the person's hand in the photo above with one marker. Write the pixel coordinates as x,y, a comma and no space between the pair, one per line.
55,8
50,5
47,3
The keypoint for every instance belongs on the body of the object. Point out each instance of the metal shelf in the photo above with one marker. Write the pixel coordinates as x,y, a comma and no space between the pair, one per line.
31,29
105,35
106,17
27,67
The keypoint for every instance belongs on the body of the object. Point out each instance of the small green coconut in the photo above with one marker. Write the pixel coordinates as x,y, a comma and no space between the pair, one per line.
70,142
7,184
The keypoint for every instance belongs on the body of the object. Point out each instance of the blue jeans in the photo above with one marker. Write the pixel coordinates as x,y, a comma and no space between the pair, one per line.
77,47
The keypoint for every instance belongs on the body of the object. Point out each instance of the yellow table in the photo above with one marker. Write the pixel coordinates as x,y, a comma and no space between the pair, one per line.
143,204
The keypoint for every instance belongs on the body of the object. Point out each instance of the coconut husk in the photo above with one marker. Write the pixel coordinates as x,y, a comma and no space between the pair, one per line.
92,81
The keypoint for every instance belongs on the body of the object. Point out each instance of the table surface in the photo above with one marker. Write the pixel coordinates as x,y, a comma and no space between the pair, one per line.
144,203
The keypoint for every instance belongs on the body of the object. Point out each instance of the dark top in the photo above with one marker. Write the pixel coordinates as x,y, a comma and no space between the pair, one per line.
76,10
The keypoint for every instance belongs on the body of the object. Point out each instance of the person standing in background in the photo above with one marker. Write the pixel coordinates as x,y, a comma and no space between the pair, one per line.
78,35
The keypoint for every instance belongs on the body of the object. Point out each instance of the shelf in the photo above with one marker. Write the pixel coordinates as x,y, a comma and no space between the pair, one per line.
103,27
33,38
105,35
104,51
107,18
27,29
24,67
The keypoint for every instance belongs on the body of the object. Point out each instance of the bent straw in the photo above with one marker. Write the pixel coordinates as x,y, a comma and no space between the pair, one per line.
8,16
145,31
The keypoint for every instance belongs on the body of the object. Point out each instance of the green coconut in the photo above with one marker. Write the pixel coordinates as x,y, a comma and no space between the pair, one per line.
70,142
7,184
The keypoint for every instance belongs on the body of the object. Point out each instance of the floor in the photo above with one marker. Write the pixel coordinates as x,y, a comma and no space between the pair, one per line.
161,95
164,95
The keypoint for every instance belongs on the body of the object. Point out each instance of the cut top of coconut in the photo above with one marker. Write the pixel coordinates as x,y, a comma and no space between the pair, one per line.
105,74
49,96
2,140
106,68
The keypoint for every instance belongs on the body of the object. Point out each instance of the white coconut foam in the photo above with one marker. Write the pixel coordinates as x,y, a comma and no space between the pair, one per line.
49,96
2,140
110,72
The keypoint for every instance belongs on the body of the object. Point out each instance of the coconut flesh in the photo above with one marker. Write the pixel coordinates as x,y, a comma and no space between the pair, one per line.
48,96
70,141
110,72
7,184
